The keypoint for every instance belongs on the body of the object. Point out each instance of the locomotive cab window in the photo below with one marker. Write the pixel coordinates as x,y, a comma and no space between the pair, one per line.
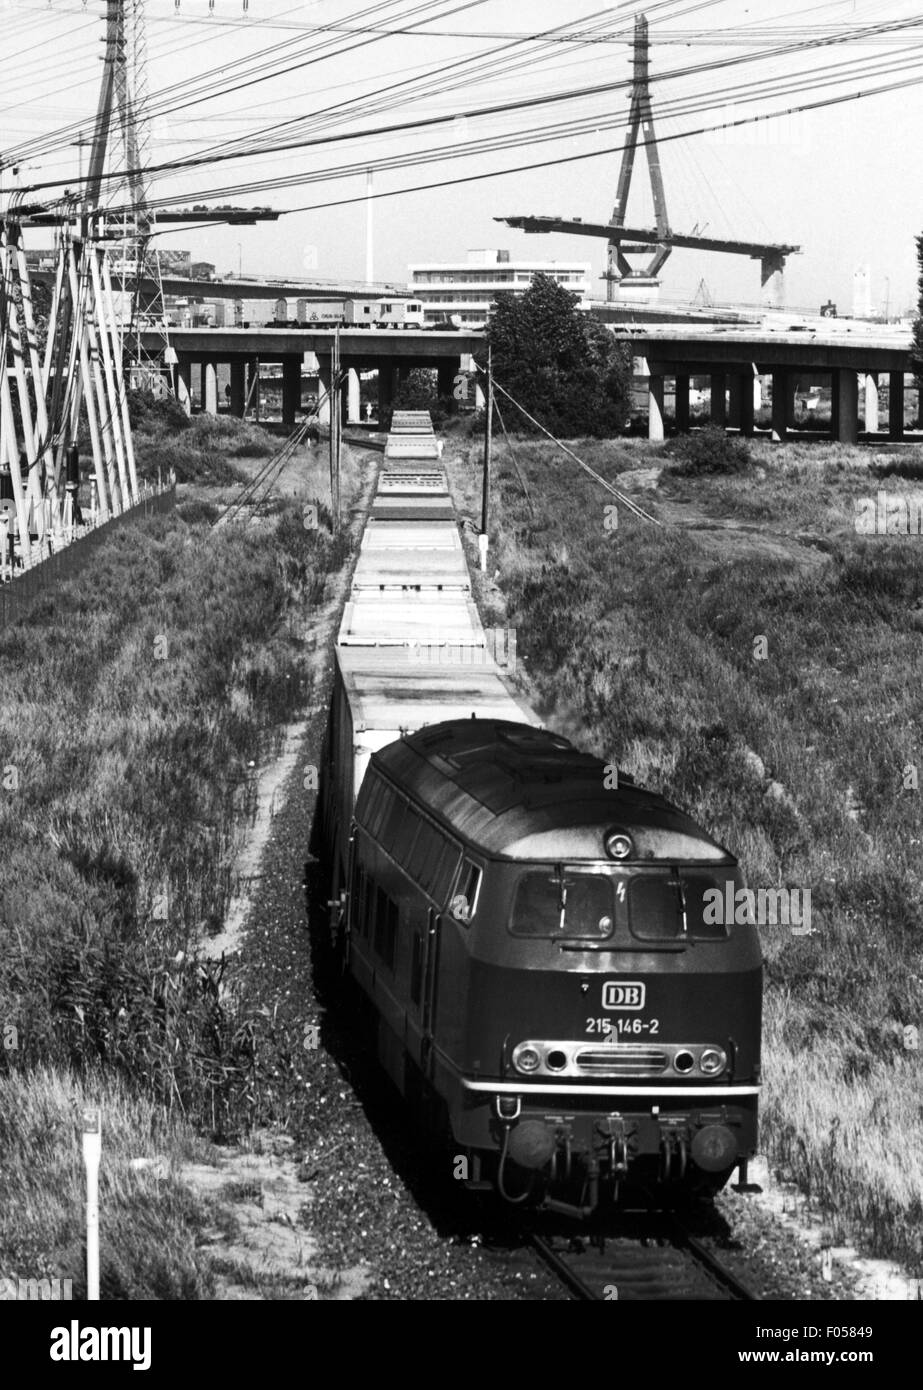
705,921
655,909
465,897
561,900
674,908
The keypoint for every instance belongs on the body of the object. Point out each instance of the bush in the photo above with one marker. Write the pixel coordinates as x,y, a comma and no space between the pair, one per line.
709,450
155,413
232,437
190,464
197,512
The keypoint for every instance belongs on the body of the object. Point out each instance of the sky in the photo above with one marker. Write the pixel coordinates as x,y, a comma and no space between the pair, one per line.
835,179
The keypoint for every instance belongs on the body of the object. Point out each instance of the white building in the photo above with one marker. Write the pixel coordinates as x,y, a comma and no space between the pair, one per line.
465,290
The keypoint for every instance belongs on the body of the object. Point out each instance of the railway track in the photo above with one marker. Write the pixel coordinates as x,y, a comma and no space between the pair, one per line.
668,1265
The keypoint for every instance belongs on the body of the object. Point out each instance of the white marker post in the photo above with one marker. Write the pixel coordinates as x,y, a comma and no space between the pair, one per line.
92,1149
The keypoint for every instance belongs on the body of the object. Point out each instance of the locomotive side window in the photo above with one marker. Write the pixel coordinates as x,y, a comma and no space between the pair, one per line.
443,872
465,897
391,834
655,909
405,853
360,891
363,800
376,806
368,908
386,921
425,853
416,969
560,900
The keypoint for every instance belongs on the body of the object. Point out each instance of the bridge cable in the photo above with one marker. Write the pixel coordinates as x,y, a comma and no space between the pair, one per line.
621,496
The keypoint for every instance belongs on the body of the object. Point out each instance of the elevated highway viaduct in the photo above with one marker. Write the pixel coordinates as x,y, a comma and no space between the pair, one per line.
390,352
731,356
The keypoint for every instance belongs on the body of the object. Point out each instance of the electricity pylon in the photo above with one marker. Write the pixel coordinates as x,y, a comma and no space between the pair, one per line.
123,95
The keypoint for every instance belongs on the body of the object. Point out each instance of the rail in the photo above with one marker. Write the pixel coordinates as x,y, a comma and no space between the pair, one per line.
670,1266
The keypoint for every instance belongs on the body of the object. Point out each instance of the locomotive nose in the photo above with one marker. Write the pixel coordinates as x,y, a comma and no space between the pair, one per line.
531,1144
714,1148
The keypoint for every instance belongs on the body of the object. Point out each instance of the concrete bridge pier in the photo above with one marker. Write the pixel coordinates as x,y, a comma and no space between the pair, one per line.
791,401
238,388
734,398
895,405
871,403
780,406
386,376
210,388
740,401
353,399
718,405
845,405
772,280
749,386
291,389
253,385
681,402
655,429
184,384
446,371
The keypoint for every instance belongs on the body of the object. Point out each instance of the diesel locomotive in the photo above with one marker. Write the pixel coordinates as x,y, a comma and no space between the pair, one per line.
527,930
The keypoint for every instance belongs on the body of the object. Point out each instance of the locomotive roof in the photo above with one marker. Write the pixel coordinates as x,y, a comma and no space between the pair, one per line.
526,793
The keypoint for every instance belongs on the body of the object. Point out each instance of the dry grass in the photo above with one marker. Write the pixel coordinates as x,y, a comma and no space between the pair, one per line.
148,1221
133,709
640,642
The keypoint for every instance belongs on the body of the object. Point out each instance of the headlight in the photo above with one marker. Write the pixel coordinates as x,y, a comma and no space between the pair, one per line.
712,1061
526,1057
618,845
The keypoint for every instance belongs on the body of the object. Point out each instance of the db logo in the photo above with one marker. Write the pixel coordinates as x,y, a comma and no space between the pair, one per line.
629,995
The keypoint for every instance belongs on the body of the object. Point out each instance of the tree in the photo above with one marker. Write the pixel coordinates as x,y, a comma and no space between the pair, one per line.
566,369
916,350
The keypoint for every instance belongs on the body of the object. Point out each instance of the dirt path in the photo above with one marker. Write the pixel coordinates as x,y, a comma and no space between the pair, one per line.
259,1245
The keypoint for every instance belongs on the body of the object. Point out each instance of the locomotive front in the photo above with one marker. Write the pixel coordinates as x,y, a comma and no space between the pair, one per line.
598,1015
625,1020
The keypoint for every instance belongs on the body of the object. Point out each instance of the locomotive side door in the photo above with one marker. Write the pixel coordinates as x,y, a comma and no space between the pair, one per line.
430,964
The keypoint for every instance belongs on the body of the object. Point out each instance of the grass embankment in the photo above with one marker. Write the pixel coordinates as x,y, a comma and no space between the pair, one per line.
133,707
640,643
197,450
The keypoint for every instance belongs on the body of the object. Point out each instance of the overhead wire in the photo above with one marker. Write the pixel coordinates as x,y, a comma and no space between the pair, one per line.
179,95
478,146
252,148
622,497
224,69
